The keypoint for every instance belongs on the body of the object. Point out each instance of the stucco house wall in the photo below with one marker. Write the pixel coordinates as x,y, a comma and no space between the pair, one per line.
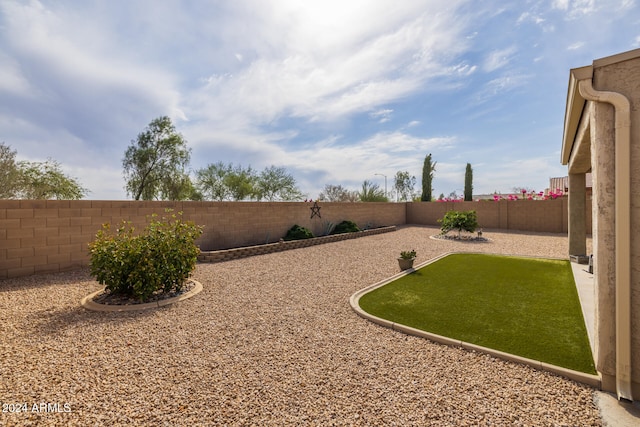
590,144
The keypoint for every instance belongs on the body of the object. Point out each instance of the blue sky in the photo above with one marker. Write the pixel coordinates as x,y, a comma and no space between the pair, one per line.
334,91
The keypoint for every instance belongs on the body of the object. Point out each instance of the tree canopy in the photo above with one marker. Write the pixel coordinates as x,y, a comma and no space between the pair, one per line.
155,164
9,173
372,193
404,184
275,183
337,193
210,181
35,180
219,181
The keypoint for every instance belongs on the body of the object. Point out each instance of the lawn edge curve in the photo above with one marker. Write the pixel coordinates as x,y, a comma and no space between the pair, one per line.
581,377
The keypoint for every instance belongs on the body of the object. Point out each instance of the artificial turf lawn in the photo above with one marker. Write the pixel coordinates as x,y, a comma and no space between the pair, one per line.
523,306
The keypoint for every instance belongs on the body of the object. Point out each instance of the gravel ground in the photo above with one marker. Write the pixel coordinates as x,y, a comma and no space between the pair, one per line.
271,340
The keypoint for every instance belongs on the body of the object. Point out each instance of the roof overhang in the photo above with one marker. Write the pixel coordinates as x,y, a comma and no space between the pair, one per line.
574,109
576,103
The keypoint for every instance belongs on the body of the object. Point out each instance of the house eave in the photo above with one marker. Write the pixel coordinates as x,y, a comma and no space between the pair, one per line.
573,111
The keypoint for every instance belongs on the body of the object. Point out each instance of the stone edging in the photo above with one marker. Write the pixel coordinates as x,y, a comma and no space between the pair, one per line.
247,251
581,377
88,303
486,240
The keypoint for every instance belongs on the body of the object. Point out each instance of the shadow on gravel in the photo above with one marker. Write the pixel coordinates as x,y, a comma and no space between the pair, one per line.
71,277
53,321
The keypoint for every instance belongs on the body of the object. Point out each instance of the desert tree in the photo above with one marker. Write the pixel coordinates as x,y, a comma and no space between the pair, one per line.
404,185
337,193
372,193
35,180
9,173
275,183
46,180
241,183
156,161
210,181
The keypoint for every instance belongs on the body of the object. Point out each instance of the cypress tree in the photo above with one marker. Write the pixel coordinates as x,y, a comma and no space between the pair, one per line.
427,178
468,184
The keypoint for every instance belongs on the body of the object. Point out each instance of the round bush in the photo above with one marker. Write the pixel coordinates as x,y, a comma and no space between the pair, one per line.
158,259
296,233
345,227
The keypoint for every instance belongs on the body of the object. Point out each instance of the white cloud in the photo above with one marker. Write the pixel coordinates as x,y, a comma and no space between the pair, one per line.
498,58
627,4
506,175
497,87
575,46
385,153
12,79
575,8
530,17
382,116
561,4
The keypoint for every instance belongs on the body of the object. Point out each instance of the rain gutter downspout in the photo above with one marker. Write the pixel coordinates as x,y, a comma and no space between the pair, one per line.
622,229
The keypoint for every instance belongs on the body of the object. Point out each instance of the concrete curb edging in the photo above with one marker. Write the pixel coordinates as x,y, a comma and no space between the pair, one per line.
581,377
88,303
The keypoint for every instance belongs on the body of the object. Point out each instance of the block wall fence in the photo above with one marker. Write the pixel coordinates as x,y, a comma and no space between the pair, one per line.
43,236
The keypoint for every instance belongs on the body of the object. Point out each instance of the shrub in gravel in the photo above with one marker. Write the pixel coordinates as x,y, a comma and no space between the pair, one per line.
297,232
345,227
458,220
159,259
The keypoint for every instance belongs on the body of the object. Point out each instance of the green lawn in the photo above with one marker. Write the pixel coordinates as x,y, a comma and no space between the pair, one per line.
523,306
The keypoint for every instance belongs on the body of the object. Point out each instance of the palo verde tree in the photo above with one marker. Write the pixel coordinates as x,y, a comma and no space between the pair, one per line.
210,181
275,183
156,161
404,184
468,183
219,181
428,169
241,183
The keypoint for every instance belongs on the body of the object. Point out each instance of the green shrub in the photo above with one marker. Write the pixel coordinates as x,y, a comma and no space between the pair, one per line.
139,265
345,227
458,220
296,233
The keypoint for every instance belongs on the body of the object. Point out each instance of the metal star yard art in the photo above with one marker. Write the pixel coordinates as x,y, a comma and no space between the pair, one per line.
315,210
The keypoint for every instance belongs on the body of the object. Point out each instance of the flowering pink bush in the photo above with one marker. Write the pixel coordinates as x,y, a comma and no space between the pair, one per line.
526,195
531,195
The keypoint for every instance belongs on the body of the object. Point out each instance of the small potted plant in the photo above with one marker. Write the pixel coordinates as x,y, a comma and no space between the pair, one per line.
406,259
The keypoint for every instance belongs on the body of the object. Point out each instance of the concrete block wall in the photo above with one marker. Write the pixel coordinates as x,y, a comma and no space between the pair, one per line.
549,216
42,236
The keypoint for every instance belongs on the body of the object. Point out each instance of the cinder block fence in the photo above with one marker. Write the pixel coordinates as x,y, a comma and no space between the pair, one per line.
38,236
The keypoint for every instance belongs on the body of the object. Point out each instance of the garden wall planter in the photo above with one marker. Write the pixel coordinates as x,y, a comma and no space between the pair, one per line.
247,251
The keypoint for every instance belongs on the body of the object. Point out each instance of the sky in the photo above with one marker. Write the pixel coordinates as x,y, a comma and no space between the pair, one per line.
336,92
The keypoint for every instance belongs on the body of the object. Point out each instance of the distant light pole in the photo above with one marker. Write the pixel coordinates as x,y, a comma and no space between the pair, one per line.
385,182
